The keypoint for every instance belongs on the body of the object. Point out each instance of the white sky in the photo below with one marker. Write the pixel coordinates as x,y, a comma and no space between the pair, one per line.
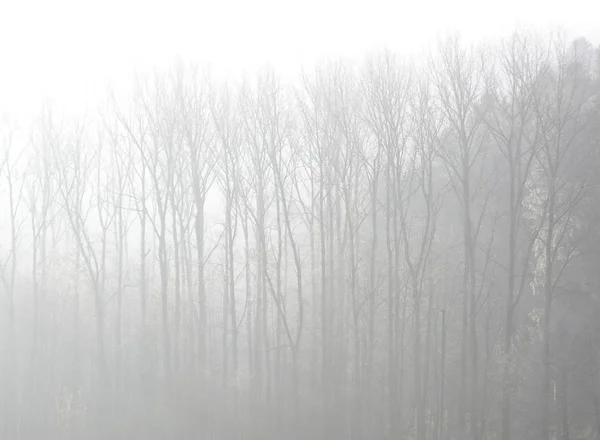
68,50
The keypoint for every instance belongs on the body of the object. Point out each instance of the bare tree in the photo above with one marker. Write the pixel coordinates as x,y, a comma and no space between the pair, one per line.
227,136
458,77
388,87
562,112
78,197
513,85
10,164
198,139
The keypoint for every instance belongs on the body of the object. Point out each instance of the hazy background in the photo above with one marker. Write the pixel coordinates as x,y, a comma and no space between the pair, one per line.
67,51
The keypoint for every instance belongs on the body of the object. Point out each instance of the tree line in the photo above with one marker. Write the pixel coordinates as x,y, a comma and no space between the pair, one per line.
386,249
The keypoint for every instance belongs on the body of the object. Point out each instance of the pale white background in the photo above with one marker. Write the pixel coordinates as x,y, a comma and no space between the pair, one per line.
67,51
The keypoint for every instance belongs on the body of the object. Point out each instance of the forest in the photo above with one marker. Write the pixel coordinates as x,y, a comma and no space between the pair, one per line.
387,249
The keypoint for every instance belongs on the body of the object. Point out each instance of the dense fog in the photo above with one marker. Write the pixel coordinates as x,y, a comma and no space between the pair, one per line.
386,249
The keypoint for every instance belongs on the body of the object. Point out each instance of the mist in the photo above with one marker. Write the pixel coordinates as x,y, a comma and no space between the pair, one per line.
308,243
